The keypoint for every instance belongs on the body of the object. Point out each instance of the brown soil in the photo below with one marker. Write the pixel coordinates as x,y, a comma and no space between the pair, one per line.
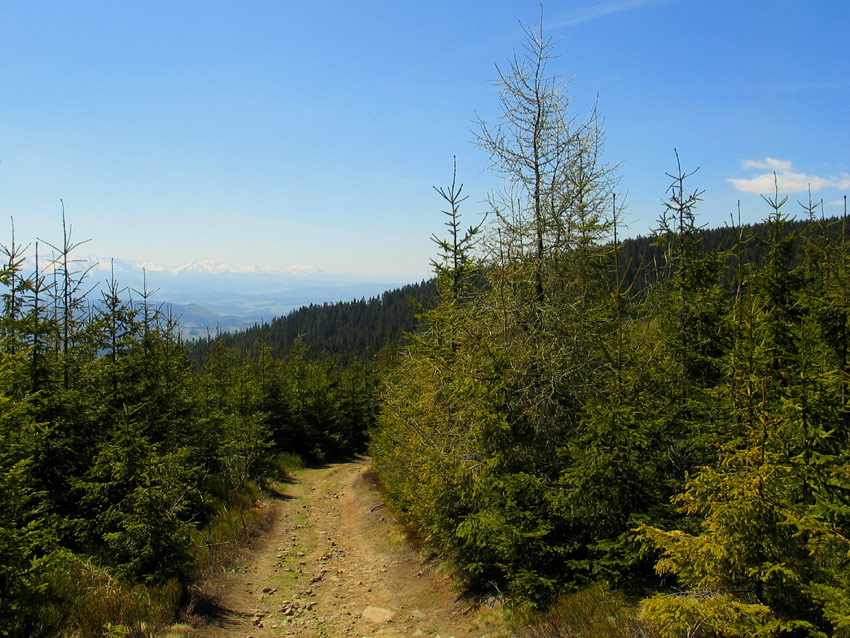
333,562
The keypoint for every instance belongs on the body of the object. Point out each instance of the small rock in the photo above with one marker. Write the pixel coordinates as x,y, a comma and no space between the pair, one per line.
377,615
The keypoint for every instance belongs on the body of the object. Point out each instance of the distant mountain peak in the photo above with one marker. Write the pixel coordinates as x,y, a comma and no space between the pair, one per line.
301,269
209,266
210,270
195,266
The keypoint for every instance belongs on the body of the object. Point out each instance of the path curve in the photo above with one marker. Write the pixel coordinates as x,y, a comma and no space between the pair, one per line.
334,563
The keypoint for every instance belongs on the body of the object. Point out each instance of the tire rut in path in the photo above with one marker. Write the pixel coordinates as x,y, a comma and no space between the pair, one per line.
333,563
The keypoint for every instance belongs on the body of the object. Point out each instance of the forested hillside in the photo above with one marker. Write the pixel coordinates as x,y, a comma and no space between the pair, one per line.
344,331
347,331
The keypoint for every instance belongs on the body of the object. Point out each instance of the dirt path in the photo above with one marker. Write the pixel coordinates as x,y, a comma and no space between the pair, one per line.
334,563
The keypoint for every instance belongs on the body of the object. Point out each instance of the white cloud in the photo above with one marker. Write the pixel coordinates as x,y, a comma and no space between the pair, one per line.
783,175
836,202
768,162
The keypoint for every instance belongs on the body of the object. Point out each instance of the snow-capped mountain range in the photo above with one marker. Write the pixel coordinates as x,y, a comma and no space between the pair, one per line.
209,267
209,295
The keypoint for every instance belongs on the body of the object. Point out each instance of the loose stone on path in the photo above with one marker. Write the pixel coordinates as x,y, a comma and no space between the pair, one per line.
377,615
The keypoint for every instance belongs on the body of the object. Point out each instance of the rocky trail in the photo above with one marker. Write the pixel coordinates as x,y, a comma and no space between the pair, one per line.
334,563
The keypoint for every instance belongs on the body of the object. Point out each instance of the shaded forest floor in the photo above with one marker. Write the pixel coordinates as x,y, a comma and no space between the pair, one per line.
333,562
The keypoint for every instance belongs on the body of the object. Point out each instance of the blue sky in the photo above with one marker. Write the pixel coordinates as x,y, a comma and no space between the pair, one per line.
282,133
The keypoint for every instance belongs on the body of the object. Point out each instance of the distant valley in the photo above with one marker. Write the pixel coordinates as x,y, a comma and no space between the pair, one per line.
209,296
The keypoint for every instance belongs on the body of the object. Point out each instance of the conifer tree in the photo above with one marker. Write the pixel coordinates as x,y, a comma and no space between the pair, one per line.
137,495
27,539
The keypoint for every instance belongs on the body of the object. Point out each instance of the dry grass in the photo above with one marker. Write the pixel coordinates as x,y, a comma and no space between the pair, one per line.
219,546
595,612
89,602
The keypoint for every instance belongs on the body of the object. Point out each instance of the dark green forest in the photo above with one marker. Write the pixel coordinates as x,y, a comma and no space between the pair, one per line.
346,331
662,422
